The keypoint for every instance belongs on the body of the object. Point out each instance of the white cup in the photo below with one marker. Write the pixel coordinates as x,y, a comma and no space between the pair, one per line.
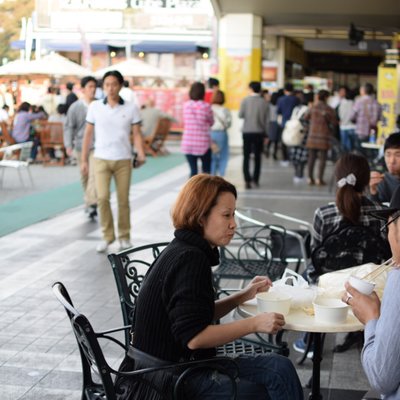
274,302
330,311
361,285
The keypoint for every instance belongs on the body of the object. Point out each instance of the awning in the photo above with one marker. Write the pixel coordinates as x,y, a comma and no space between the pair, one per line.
59,46
166,47
148,46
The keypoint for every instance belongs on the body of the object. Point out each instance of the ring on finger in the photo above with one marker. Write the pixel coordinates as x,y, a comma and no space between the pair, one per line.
347,300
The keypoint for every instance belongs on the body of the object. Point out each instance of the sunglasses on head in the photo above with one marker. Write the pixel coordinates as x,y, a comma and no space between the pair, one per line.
395,216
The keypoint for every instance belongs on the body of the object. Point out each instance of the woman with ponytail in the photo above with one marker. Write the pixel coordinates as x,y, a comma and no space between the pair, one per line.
352,207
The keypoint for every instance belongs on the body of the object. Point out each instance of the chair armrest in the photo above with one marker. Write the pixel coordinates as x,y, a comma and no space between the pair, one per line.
106,335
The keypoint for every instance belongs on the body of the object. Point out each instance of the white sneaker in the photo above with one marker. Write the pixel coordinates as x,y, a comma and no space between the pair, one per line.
125,244
102,247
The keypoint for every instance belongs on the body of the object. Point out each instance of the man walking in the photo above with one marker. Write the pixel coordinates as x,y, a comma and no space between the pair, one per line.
254,111
74,130
115,123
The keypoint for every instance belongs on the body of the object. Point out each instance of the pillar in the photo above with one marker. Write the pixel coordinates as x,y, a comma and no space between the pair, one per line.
239,56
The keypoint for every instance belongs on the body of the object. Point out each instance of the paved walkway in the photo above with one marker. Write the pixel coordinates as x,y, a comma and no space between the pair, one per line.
38,353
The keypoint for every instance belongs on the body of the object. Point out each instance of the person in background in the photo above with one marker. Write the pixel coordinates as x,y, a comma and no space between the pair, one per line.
4,115
22,127
150,116
128,94
219,134
286,104
344,112
114,124
197,121
5,137
60,115
309,94
74,129
380,353
274,129
319,139
299,154
71,96
176,309
383,185
254,111
49,101
366,114
213,86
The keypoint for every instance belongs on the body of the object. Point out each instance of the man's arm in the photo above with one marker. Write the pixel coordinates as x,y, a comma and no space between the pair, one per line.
137,140
69,132
87,140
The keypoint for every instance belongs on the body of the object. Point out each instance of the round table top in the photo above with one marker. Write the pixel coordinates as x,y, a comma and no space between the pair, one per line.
299,320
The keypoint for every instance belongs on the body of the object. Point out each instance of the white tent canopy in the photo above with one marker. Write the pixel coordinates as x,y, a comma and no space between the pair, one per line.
134,68
50,65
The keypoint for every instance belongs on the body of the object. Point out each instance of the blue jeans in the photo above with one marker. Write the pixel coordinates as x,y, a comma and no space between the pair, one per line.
263,376
348,139
219,160
205,162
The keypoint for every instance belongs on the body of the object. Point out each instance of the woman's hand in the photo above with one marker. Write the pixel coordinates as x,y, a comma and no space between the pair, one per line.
258,284
365,307
269,322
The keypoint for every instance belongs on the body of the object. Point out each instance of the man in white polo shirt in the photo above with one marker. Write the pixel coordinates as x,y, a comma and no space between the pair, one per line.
114,122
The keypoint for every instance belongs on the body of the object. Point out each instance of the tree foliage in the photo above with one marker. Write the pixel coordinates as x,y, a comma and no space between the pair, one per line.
11,13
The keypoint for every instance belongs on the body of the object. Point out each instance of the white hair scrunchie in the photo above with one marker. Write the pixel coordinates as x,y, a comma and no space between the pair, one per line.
350,179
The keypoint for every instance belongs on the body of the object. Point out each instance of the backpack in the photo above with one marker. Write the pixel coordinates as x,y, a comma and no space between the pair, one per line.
293,132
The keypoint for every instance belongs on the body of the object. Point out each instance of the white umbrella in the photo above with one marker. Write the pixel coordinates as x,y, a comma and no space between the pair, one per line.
134,68
50,65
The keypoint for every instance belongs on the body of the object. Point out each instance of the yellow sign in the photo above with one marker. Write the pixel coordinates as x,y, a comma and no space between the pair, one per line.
237,70
388,95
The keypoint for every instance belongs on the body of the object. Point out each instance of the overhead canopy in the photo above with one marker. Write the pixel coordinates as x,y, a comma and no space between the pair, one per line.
134,68
316,19
50,65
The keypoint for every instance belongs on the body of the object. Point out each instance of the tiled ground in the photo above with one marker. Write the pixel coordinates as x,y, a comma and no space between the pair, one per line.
38,354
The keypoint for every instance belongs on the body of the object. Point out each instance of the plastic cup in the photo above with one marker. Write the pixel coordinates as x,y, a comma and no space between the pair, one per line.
361,285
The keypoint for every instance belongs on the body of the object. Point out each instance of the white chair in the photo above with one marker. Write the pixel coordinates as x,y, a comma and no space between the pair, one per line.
17,157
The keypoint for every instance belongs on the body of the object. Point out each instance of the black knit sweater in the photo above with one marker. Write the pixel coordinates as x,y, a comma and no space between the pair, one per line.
176,300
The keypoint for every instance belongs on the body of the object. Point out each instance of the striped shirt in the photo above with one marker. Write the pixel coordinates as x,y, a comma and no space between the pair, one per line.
197,121
327,219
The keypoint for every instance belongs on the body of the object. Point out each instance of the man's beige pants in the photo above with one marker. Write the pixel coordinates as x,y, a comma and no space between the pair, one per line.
121,170
87,181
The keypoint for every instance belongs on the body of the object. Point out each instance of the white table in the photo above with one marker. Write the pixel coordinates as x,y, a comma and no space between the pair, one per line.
299,320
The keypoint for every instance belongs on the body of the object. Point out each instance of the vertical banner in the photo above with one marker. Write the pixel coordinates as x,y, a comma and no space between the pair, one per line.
388,97
237,70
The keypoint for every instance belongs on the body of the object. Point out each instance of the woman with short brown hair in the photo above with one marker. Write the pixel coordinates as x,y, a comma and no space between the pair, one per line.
176,312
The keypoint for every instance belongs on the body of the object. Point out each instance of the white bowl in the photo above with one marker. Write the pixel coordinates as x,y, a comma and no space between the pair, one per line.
273,302
331,311
361,285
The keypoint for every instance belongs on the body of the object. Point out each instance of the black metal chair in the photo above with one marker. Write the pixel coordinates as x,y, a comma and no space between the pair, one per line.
254,251
94,364
297,232
130,267
347,247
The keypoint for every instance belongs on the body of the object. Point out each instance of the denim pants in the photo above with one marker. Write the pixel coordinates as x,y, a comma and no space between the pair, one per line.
348,139
261,377
219,160
205,162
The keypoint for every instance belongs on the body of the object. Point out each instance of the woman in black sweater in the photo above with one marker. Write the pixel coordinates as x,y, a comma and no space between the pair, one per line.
176,309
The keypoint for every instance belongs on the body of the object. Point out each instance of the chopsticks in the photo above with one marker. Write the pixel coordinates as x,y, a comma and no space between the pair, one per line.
378,270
